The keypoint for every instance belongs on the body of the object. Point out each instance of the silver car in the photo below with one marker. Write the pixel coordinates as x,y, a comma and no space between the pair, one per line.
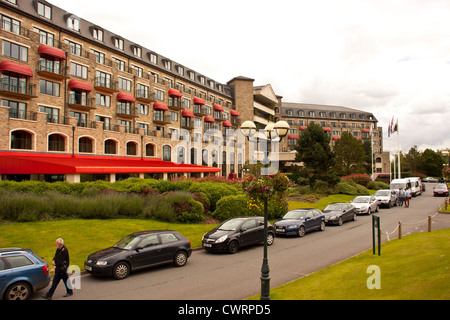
365,204
386,197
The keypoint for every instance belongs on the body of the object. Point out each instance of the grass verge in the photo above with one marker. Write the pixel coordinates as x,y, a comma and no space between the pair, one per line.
417,267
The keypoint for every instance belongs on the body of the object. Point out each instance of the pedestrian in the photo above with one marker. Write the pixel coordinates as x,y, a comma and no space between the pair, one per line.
401,197
407,197
61,264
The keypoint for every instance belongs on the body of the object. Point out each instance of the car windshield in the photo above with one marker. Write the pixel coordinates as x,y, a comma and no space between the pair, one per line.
127,243
296,214
441,186
382,193
398,185
333,207
361,200
230,225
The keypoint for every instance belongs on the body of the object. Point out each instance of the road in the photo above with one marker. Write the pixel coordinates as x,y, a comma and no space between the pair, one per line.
210,276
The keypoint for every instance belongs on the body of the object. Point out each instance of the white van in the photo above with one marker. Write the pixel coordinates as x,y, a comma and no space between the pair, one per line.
416,186
396,184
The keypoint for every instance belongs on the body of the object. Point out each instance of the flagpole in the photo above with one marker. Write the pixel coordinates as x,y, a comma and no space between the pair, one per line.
371,145
398,148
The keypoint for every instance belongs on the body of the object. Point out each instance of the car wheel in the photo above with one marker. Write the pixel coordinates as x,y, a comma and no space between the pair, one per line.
368,211
18,291
233,247
340,221
322,226
180,259
121,271
301,231
377,208
354,217
270,238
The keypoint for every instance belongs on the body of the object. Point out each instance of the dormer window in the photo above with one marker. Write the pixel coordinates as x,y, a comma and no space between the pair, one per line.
167,64
44,10
137,51
97,34
180,70
118,43
73,23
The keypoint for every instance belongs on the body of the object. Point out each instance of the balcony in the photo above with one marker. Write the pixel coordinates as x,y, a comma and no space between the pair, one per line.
159,118
126,111
81,101
105,85
18,89
145,96
21,114
51,69
200,111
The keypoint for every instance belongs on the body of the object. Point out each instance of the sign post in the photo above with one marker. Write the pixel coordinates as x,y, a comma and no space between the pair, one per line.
376,226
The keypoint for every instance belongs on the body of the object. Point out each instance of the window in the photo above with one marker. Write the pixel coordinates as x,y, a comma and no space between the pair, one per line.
56,142
124,84
44,10
185,103
153,58
167,150
85,145
173,116
167,64
191,75
75,48
21,140
137,52
102,100
106,122
17,110
131,148
118,43
142,109
48,87
110,147
45,37
103,79
78,70
289,112
180,70
15,51
159,95
10,24
19,261
202,79
120,64
81,118
73,23
99,56
139,70
97,34
143,126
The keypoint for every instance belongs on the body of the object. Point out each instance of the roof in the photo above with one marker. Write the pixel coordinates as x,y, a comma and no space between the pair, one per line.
43,163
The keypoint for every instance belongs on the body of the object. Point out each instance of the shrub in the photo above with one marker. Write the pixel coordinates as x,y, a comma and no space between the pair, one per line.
345,188
362,179
100,207
214,191
233,206
376,185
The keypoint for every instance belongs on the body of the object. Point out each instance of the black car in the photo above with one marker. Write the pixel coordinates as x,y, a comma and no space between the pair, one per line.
234,233
139,250
299,221
339,212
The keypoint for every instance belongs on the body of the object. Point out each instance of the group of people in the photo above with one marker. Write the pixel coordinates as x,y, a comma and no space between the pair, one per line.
403,197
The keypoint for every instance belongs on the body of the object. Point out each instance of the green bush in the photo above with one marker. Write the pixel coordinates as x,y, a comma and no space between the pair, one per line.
233,206
345,188
214,191
377,185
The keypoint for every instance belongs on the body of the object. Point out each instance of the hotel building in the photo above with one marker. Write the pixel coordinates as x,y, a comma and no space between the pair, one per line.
79,102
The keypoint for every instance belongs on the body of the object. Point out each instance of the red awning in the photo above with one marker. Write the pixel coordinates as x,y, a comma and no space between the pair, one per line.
366,130
15,67
176,93
292,136
326,129
303,128
187,113
199,101
336,138
218,107
160,106
77,84
52,51
121,96
227,124
209,119
41,163
234,113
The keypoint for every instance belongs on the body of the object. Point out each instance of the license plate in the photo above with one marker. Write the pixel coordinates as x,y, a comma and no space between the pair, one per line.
88,268
280,230
207,245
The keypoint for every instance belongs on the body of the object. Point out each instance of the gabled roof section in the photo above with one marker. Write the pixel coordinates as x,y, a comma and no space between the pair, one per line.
265,93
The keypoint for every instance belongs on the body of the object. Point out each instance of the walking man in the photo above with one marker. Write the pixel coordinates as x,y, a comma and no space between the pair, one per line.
61,264
407,196
401,197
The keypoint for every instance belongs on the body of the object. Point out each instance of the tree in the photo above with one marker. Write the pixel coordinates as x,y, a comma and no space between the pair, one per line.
432,163
313,149
349,155
413,160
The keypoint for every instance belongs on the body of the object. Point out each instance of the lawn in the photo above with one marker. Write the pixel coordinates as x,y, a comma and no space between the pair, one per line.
322,203
83,237
415,267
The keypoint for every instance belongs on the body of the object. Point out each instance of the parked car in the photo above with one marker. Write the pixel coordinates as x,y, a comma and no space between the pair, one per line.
429,179
365,204
440,189
386,197
299,221
139,250
338,213
22,272
235,233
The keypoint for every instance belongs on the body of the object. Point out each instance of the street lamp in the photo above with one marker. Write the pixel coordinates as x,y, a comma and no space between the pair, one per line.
273,131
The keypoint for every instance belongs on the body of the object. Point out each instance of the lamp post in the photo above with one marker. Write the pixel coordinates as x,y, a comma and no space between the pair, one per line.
273,131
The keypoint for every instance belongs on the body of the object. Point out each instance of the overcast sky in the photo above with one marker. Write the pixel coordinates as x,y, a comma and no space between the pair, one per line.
389,57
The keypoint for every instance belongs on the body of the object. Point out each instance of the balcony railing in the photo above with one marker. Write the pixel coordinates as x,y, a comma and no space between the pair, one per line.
18,87
21,114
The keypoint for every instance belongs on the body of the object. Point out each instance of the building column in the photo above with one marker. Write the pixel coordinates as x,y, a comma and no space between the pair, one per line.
73,178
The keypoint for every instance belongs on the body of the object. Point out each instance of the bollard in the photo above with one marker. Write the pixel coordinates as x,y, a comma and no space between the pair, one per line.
429,223
399,229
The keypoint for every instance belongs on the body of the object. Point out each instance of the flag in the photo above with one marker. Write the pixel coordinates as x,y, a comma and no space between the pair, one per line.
395,127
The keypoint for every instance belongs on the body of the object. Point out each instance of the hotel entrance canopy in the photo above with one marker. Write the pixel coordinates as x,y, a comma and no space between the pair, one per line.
40,163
